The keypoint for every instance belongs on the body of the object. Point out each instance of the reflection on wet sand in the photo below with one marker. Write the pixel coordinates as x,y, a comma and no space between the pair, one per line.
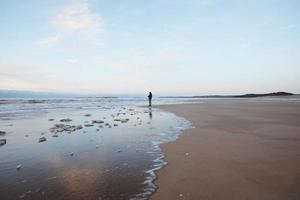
80,182
150,113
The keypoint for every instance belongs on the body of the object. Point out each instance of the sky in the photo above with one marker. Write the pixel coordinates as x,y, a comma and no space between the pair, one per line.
169,47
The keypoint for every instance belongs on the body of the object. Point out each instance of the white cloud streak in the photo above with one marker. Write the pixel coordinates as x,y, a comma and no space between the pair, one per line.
24,76
49,41
78,18
74,20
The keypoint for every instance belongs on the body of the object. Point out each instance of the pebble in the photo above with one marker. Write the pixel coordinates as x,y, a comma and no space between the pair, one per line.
42,139
50,119
66,120
88,125
122,120
87,115
2,141
97,122
72,154
18,167
2,132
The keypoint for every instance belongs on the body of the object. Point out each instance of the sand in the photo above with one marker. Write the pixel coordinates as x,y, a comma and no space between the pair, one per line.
238,149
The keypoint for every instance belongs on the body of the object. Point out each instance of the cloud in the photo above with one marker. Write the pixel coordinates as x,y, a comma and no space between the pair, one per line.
72,61
78,18
26,76
74,20
49,41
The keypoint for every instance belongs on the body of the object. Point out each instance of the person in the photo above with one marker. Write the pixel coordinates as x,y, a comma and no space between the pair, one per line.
150,98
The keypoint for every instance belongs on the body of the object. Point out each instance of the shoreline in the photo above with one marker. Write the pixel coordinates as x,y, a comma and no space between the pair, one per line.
238,150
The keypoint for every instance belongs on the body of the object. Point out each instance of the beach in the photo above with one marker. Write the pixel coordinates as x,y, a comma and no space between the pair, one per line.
237,149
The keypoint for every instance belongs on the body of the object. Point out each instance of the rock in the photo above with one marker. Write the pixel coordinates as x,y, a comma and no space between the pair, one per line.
97,146
115,124
100,126
72,154
18,167
88,125
66,120
50,119
42,139
2,132
87,115
55,135
97,122
64,127
122,120
2,141
97,129
79,127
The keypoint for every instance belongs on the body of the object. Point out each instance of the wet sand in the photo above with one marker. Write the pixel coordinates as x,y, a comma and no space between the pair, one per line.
239,149
82,151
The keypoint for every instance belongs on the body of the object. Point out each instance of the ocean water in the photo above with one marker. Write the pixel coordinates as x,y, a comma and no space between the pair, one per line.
95,148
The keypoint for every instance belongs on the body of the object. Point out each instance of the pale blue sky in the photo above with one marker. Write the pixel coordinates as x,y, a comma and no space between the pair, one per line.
171,47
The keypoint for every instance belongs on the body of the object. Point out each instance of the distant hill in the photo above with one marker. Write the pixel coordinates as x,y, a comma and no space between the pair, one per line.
274,94
235,96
